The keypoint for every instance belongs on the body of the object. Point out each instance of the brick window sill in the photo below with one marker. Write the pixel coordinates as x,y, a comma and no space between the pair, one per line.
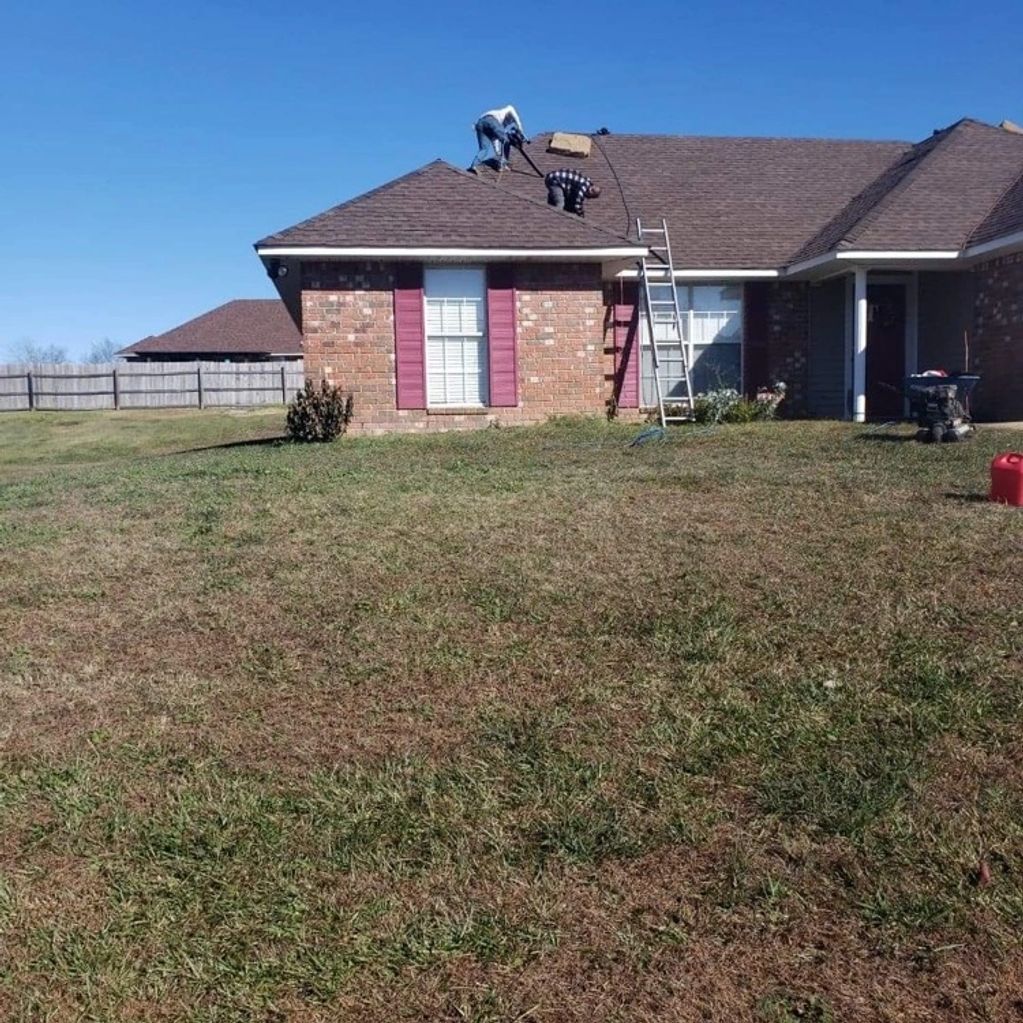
472,410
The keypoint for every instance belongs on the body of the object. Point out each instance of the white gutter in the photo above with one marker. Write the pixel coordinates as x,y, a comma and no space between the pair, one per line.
871,255
1007,241
710,275
899,254
480,255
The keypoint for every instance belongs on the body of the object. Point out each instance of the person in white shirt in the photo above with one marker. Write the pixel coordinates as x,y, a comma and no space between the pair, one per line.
497,130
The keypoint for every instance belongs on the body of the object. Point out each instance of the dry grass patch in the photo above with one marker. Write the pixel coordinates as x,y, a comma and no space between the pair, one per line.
517,725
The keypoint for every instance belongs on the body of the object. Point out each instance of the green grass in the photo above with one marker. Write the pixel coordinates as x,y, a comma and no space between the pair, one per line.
42,439
520,724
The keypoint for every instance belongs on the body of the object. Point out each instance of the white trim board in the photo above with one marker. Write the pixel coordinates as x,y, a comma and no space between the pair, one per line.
710,275
1007,241
479,255
873,255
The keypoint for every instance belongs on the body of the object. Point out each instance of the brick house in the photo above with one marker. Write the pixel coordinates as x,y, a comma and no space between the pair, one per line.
442,299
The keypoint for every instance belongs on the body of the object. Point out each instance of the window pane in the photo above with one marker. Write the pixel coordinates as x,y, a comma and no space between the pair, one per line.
715,297
672,377
713,328
718,325
455,282
456,335
715,367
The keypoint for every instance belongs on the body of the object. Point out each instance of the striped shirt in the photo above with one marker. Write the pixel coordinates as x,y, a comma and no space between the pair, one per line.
575,185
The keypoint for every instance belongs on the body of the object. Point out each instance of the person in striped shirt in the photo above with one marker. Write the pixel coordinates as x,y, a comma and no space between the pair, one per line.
568,190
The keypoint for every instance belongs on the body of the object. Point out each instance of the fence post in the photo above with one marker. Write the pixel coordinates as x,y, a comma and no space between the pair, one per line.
198,380
28,383
284,385
113,373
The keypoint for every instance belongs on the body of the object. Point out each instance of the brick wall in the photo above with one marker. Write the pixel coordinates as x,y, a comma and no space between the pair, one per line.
996,347
777,339
565,344
348,325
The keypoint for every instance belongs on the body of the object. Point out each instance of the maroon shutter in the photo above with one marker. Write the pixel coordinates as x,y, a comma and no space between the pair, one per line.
626,344
754,336
409,336
502,335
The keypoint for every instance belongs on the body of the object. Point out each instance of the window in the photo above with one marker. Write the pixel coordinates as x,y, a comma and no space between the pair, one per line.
456,336
712,334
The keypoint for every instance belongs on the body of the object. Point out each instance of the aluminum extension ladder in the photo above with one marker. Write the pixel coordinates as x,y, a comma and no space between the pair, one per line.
657,272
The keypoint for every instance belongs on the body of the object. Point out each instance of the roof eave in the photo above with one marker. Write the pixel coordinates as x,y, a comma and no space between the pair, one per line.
996,246
847,259
589,254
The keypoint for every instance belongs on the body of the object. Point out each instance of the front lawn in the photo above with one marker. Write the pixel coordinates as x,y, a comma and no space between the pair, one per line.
515,725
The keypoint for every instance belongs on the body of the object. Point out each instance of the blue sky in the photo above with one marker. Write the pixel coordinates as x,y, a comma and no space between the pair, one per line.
145,146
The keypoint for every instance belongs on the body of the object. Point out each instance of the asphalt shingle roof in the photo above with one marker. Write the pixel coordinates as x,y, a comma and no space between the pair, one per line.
934,198
1005,218
244,326
729,202
439,205
736,203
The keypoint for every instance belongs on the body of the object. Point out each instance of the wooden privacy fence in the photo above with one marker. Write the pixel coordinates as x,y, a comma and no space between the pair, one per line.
67,386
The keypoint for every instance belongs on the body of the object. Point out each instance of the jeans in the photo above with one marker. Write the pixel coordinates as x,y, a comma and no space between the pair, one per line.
556,196
492,138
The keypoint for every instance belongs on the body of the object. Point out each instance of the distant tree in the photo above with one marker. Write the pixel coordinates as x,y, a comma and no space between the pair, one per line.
28,350
102,351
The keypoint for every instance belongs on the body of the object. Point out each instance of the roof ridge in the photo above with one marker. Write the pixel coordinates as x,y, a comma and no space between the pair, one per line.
380,189
496,185
735,138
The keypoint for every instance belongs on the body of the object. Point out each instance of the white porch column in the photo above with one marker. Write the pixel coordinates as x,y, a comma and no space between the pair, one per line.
859,381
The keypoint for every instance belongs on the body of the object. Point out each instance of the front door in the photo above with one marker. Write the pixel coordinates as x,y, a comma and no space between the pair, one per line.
886,350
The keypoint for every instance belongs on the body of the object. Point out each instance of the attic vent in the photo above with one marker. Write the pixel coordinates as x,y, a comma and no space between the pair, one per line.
569,145
1011,126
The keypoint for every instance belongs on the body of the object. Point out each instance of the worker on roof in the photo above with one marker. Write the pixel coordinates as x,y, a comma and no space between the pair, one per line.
500,129
568,190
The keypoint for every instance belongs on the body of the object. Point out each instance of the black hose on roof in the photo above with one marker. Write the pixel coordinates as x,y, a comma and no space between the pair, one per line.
618,182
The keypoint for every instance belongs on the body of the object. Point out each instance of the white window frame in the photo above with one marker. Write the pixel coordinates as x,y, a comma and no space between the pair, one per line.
479,337
688,324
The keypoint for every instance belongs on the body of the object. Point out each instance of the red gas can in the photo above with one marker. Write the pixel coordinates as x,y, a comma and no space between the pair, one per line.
1007,478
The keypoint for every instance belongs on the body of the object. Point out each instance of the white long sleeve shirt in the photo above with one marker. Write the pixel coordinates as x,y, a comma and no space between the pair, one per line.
503,113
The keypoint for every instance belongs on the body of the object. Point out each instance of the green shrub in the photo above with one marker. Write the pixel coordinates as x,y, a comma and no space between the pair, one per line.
319,413
720,406
727,405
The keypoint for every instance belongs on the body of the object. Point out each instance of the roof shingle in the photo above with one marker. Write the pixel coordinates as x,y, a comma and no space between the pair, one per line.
1005,218
730,203
244,326
439,205
947,193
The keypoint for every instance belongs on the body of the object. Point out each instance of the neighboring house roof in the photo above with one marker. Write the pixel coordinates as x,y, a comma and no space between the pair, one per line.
730,203
244,326
441,205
